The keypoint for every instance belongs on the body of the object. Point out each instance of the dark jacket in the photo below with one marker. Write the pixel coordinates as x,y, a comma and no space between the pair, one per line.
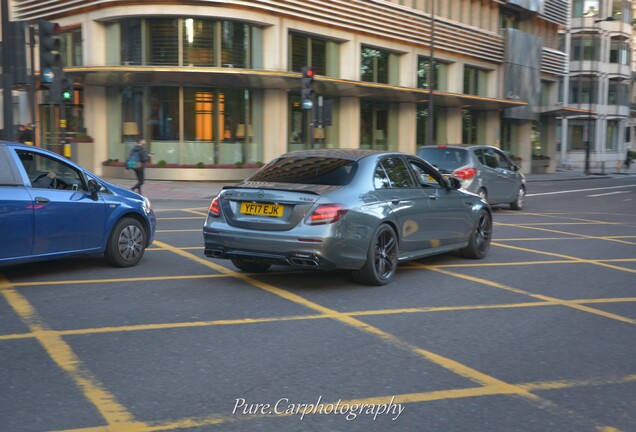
142,154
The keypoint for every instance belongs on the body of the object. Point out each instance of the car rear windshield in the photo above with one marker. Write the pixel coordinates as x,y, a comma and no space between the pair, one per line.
308,170
444,158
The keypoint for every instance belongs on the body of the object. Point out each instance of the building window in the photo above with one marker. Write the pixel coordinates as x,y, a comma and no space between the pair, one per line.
374,66
619,51
163,46
475,81
422,125
470,127
440,75
130,34
583,90
307,51
198,42
235,44
621,11
611,139
71,47
584,47
300,127
585,8
579,132
192,125
618,92
185,41
374,125
163,121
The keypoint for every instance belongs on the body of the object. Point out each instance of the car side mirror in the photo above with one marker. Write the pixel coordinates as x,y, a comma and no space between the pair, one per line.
454,183
514,167
93,188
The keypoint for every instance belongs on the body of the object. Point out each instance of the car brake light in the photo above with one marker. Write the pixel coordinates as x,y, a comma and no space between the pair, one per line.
465,174
442,146
326,214
215,208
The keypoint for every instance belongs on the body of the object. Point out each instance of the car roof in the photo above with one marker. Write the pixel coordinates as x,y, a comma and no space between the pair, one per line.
460,146
350,154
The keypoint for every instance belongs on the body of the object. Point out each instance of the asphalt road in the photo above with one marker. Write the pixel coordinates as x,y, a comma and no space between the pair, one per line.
538,337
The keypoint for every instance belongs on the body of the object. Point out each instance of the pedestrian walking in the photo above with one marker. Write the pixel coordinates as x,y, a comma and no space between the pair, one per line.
137,160
628,160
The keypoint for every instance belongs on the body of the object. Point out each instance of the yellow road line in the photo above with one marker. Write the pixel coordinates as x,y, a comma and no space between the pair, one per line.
558,255
452,365
611,239
445,362
407,398
567,303
590,382
118,280
115,414
362,313
562,215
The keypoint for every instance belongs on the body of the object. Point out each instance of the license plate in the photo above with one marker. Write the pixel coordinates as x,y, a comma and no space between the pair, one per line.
260,209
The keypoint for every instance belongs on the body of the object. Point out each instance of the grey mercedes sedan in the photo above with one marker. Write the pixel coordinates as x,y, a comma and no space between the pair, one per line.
359,210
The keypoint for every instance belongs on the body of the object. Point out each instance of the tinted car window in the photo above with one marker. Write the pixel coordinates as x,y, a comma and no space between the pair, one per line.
397,172
38,166
8,175
424,176
308,170
381,179
502,160
489,158
445,158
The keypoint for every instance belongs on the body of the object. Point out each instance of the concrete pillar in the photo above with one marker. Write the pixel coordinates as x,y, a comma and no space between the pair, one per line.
453,126
523,138
275,121
492,131
349,131
96,123
406,125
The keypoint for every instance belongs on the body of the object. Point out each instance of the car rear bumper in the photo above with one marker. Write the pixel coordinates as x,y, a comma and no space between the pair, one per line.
312,252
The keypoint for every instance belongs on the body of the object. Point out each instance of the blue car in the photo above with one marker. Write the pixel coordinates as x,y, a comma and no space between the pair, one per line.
51,207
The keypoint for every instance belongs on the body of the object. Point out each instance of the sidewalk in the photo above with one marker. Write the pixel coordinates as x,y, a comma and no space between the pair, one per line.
172,190
192,190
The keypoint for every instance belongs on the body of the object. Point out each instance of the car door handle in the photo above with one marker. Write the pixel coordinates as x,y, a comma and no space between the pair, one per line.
42,201
395,200
433,197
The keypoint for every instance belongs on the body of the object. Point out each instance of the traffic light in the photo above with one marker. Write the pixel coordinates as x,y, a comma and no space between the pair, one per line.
307,92
67,89
50,57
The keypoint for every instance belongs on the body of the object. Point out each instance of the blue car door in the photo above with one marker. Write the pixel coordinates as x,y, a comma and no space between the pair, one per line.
16,211
65,217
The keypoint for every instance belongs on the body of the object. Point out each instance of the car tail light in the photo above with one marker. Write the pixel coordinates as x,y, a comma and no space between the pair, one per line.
465,174
442,146
215,208
326,214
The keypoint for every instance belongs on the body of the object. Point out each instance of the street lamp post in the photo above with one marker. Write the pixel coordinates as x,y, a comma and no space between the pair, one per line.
431,78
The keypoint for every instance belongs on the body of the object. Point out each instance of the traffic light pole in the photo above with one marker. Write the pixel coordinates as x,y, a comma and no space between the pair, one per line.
66,148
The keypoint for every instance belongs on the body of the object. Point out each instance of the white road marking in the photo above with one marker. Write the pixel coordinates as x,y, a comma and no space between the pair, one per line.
608,193
580,190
